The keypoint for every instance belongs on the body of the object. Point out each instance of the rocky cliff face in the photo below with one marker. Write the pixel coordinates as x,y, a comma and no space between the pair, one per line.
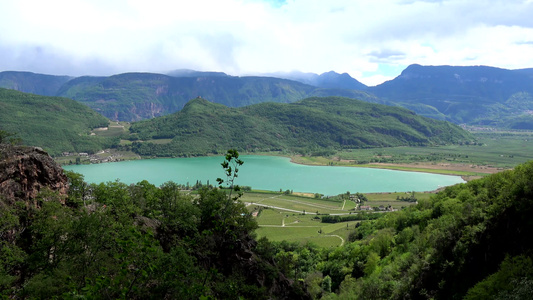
25,171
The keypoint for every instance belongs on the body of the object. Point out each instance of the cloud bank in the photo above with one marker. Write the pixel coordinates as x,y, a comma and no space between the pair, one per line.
370,40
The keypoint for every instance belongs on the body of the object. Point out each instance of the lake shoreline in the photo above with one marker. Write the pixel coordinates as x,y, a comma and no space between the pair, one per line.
466,172
268,172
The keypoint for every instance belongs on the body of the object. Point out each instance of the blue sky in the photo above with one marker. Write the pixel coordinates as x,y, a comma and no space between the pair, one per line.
373,41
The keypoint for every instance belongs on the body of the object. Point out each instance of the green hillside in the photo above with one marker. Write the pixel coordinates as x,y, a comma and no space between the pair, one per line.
137,96
470,241
472,95
310,125
55,124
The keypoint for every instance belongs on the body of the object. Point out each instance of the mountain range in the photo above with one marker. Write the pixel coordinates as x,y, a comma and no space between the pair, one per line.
308,126
329,79
473,95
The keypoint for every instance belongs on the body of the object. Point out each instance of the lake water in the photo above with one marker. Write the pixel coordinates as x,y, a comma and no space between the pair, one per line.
266,173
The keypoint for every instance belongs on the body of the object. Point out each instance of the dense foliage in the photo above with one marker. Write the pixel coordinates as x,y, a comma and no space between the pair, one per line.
55,124
469,241
113,240
307,126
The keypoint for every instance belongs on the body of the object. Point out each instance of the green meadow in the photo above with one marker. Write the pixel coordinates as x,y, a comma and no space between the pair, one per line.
503,149
278,225
295,219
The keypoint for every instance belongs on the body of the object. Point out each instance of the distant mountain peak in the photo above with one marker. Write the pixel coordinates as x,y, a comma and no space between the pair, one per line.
330,80
333,79
193,73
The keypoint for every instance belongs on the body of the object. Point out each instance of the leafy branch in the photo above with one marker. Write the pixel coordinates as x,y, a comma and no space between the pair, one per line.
231,166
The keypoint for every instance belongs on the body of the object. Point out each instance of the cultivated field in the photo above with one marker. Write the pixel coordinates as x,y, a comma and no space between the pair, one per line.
494,152
298,219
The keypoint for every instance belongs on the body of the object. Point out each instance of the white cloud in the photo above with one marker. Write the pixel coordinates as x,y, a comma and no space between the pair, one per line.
250,36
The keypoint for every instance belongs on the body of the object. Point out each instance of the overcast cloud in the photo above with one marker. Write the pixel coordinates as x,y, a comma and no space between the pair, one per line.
371,40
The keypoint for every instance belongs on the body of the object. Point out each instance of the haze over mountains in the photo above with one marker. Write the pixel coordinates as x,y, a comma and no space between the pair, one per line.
329,79
475,95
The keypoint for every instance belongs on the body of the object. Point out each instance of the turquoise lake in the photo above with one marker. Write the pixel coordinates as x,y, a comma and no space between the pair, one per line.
266,173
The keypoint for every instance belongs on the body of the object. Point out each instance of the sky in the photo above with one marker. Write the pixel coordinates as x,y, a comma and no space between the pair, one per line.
373,41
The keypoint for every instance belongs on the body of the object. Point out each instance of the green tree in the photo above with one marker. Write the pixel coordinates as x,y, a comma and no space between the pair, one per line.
231,166
326,284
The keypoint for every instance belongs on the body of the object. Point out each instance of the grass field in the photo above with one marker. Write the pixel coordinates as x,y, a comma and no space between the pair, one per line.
298,204
493,149
114,129
278,226
282,217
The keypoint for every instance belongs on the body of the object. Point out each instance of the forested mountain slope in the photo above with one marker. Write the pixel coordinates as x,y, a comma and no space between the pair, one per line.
53,123
202,127
473,95
27,82
136,96
469,241
329,79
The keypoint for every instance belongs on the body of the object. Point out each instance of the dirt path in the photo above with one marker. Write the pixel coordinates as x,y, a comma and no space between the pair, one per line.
307,212
340,237
279,226
286,209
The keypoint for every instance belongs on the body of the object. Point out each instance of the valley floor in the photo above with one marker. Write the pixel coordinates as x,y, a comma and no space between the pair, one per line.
466,171
439,167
